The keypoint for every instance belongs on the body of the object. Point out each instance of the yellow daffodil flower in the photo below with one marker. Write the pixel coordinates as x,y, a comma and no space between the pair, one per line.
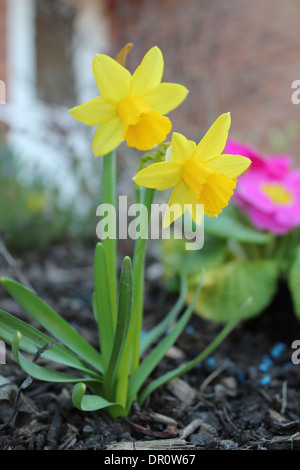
198,173
131,107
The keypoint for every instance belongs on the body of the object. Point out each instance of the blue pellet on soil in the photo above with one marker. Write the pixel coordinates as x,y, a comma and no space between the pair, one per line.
277,350
210,361
266,380
190,330
265,364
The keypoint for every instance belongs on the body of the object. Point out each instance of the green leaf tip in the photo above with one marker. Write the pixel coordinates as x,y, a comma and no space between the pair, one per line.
18,337
127,260
79,388
78,392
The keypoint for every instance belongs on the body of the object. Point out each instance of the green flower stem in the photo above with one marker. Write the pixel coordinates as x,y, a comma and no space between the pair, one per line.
138,283
139,261
138,194
110,245
131,354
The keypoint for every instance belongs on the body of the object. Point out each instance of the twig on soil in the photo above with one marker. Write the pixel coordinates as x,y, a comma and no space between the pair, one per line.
229,419
159,444
211,377
158,417
173,432
190,428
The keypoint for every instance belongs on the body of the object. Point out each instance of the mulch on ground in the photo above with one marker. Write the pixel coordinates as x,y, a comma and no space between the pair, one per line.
245,396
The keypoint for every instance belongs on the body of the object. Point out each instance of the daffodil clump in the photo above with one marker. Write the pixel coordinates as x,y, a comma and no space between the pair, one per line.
130,108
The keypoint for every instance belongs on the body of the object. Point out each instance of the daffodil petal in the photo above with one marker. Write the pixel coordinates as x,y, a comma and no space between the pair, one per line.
182,149
214,141
107,137
94,112
179,197
149,73
231,165
113,79
165,97
162,175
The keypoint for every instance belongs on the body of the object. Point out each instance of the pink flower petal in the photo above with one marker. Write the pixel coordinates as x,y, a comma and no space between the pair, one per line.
250,197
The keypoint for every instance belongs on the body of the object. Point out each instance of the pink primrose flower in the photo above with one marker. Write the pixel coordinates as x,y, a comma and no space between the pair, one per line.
269,192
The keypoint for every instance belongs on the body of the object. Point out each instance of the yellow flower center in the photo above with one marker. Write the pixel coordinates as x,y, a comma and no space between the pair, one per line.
143,127
211,188
277,193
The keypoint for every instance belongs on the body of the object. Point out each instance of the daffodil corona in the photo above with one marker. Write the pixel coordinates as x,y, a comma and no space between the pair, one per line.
200,174
131,107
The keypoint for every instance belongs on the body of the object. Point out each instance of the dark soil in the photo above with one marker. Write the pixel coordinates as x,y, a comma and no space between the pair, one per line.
246,396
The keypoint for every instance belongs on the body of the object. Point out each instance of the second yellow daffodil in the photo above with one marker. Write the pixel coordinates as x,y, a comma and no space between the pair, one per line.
200,174
131,107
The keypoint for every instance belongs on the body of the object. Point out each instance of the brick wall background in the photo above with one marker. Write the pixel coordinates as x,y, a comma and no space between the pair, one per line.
234,55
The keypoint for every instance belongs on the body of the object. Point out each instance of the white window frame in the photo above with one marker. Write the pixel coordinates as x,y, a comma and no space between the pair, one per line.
28,116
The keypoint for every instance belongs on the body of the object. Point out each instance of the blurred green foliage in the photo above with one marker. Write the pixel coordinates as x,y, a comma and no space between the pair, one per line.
239,262
31,215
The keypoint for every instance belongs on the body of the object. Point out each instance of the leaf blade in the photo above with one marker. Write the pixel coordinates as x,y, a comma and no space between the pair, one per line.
229,225
228,286
57,353
203,355
156,355
39,372
102,303
53,323
92,402
159,329
122,328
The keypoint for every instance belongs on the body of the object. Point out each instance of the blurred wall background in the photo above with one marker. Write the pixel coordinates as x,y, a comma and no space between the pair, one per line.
239,56
236,56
